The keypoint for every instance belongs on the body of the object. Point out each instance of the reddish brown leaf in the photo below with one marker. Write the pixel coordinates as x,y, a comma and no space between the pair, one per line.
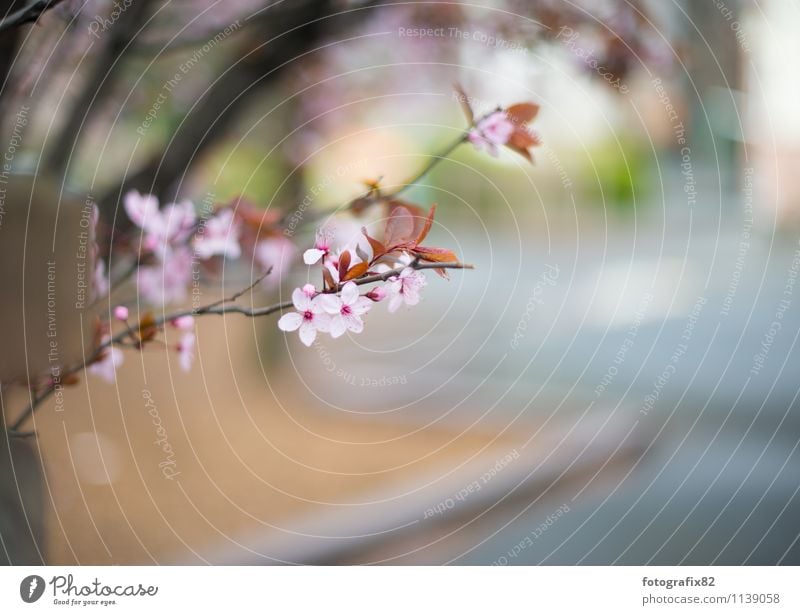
399,227
523,139
147,327
344,263
360,204
356,271
378,249
426,226
522,113
522,152
327,278
435,255
260,221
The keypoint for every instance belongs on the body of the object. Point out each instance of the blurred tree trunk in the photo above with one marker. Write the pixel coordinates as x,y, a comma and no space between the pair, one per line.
20,502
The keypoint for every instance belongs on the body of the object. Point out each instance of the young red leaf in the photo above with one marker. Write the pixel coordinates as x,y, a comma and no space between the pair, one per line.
378,249
522,113
356,271
344,263
435,255
426,225
399,227
147,327
327,278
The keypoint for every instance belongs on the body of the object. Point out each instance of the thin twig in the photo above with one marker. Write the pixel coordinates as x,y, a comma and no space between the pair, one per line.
435,159
219,308
236,295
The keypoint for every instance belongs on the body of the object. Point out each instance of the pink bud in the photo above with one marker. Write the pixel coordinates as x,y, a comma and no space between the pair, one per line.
309,290
121,313
377,294
184,323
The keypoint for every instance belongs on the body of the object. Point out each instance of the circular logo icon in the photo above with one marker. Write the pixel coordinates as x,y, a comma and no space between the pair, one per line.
31,588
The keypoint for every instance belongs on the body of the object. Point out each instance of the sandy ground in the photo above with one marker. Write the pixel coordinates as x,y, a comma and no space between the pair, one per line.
165,465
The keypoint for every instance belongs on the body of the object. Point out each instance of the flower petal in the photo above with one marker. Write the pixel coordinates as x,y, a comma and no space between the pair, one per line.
290,321
338,326
141,209
322,322
353,323
312,256
330,303
361,306
349,293
308,333
395,302
300,300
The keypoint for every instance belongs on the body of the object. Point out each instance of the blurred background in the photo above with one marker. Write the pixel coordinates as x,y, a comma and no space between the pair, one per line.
615,383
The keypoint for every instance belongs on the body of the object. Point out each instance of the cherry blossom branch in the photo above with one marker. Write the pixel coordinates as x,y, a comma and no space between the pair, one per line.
435,159
251,312
220,308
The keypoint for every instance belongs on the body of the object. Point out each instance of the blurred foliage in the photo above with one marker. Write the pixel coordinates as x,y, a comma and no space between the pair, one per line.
617,175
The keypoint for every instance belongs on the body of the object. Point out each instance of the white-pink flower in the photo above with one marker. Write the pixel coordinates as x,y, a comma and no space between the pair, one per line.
167,281
490,132
163,227
346,310
186,351
322,246
142,209
309,318
106,367
405,288
275,252
219,236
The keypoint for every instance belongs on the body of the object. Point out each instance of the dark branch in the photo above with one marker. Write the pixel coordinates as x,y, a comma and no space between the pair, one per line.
27,14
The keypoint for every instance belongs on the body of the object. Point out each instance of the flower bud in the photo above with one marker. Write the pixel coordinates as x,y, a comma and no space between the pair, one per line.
121,313
377,294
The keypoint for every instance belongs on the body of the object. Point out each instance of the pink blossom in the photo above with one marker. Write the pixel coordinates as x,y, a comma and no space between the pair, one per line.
106,367
186,351
95,216
183,323
309,290
142,209
405,288
309,317
275,252
173,226
100,284
166,282
322,246
377,294
346,310
121,313
219,236
490,132
163,228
